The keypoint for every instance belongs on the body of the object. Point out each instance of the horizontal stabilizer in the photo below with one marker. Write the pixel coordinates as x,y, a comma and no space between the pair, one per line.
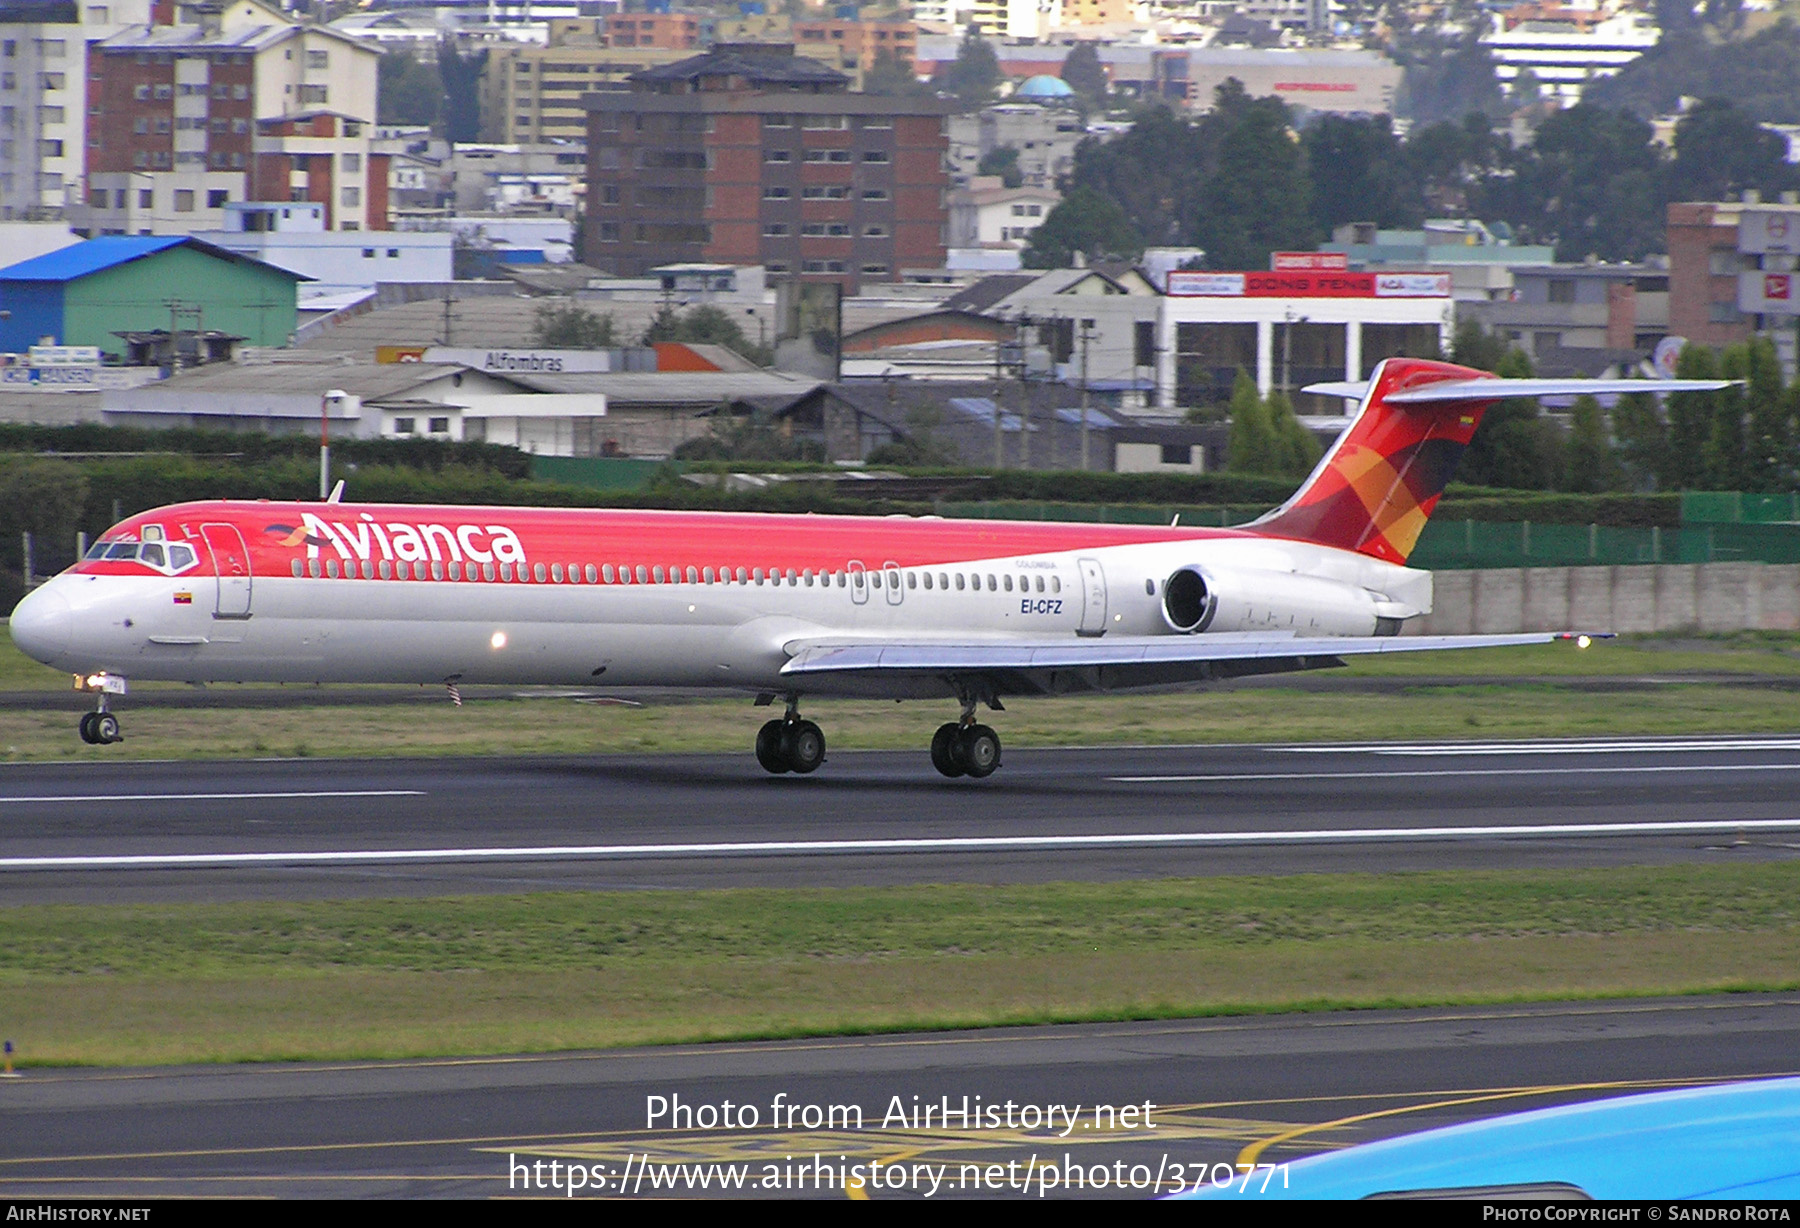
1495,389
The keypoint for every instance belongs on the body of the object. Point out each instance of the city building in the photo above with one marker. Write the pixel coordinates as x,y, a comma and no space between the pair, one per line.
1044,136
985,214
1565,48
1481,260
532,95
43,99
95,292
750,154
293,236
1733,271
1606,313
530,178
238,102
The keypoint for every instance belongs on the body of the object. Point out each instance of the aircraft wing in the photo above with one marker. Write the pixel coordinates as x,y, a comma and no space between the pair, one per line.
1498,389
1020,666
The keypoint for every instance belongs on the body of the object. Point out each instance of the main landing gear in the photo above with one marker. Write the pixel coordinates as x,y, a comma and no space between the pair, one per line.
790,744
964,747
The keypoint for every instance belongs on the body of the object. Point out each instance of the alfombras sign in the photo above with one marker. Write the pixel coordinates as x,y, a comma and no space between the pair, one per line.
524,362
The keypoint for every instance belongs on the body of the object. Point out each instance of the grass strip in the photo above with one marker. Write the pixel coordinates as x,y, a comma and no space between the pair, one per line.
129,984
564,726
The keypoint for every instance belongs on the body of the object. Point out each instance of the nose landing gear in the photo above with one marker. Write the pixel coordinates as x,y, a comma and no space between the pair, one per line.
790,744
100,727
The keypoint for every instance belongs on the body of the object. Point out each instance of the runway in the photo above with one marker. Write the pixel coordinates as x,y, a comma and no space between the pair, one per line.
323,828
1218,1090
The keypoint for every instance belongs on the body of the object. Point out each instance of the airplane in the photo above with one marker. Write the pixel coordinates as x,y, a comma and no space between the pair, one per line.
787,606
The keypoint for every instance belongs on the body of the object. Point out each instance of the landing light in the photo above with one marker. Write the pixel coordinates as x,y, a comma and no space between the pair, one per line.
1582,641
497,640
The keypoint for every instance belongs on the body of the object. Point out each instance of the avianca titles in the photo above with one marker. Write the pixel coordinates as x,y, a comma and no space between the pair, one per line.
782,606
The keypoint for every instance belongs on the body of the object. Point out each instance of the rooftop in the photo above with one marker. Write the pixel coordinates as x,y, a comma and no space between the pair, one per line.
109,251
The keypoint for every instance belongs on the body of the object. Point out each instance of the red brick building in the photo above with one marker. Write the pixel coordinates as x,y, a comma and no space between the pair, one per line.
752,155
1704,264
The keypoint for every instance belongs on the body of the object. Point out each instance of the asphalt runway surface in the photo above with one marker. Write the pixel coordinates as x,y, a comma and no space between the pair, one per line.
1221,1091
331,828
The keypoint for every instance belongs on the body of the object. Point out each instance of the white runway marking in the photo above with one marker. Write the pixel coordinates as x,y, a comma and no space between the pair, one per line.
1606,769
1547,748
47,798
950,844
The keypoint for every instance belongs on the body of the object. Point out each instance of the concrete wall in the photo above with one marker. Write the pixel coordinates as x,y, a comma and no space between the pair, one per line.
1706,597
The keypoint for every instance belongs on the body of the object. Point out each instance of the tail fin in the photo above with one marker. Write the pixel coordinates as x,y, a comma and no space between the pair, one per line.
1375,488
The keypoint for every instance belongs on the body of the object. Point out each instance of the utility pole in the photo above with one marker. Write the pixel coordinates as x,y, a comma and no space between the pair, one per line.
999,366
325,440
1084,395
1024,396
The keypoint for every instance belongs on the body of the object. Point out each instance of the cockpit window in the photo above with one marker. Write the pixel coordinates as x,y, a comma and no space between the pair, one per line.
173,559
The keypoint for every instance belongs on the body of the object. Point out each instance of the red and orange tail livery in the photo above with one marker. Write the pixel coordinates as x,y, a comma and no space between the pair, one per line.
1376,487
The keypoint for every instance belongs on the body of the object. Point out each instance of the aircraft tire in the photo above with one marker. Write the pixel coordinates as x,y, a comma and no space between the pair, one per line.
87,728
106,728
768,748
978,751
803,746
943,749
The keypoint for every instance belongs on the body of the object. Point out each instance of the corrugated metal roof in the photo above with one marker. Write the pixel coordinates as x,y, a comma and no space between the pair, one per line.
109,251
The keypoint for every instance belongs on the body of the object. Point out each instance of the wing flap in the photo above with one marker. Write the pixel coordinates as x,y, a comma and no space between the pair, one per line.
817,658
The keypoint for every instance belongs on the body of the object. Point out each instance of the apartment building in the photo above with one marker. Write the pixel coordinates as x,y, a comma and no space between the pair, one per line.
180,116
751,154
43,99
532,95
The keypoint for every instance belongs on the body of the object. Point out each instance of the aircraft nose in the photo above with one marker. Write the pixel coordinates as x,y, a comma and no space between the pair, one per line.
41,625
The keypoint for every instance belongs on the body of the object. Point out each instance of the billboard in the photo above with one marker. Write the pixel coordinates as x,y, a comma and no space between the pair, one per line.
1183,284
1762,293
1772,230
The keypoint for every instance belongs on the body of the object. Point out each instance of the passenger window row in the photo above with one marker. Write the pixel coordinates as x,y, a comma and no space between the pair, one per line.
641,573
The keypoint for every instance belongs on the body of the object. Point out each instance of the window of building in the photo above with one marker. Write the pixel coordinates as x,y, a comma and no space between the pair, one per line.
828,155
438,426
368,253
835,230
184,200
878,121
240,93
161,126
875,230
775,230
216,198
163,91
146,198
875,194
221,91
778,121
140,125
393,253
875,270
609,232
825,193
776,193
50,80
318,59
351,196
351,161
404,426
777,155
1562,290
875,155
825,121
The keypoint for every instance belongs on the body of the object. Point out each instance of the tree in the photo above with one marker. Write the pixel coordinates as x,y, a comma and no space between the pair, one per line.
1083,72
1643,439
1358,173
1296,449
461,77
1514,446
891,76
704,325
1723,454
1002,160
1756,73
1592,466
1153,172
1449,161
1768,457
1690,420
1252,446
974,76
1474,346
1447,77
1720,151
1258,199
407,92
1591,182
570,326
1083,221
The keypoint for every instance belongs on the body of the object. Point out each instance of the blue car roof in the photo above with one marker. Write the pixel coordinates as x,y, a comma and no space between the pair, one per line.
1740,1140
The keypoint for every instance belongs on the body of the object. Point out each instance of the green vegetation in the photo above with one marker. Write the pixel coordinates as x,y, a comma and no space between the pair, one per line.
131,984
569,325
